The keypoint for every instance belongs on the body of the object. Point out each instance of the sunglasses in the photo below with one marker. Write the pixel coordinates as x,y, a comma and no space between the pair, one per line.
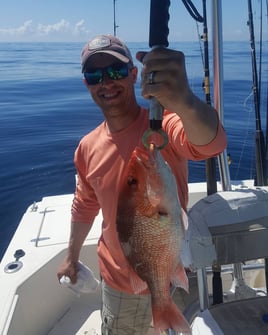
115,72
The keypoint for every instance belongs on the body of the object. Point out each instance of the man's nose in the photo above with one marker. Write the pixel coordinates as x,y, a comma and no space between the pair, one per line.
105,78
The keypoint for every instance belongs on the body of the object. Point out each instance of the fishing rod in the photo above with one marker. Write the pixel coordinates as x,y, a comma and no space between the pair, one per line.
260,82
267,102
261,177
115,25
211,162
158,38
259,137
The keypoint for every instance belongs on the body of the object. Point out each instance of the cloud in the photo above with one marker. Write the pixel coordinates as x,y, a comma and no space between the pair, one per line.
80,28
60,27
26,28
61,30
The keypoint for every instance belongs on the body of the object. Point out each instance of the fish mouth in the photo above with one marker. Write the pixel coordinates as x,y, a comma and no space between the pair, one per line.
145,164
144,158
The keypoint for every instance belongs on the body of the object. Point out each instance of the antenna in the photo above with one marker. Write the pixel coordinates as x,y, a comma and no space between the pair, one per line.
115,25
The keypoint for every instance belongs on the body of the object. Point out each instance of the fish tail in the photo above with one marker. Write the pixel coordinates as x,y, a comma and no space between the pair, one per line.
170,318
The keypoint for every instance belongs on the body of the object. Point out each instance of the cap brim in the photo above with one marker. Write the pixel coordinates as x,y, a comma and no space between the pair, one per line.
115,54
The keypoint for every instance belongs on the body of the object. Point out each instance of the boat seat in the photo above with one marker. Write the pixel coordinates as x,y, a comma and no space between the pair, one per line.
245,317
228,227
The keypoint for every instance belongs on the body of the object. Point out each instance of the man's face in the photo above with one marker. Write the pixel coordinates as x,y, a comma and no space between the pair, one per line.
112,96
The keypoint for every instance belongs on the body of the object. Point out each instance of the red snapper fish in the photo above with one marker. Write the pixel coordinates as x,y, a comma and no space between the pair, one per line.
150,229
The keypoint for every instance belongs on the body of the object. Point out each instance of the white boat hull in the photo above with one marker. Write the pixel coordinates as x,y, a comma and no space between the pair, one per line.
32,302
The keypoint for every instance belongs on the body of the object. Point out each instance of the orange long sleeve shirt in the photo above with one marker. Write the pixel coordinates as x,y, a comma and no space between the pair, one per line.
100,160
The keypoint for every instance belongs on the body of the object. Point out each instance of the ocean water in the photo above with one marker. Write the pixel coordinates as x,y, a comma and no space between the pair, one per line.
45,109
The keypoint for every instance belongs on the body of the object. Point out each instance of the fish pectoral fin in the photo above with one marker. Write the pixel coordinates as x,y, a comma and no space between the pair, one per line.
179,278
185,222
138,285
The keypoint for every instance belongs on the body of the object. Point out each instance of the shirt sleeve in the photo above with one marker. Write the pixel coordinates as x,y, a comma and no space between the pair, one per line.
85,205
174,127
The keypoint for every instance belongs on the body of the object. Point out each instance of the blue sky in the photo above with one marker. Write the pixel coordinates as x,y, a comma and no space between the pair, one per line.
79,20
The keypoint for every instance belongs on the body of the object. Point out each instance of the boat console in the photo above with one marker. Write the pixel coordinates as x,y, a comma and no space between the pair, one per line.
229,228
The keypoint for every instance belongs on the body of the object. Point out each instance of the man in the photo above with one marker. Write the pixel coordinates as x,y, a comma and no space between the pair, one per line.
194,132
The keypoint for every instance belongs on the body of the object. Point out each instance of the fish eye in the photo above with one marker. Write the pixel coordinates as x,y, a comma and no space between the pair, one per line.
131,181
161,213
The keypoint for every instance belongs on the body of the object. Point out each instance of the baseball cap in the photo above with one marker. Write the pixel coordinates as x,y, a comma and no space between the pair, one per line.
107,44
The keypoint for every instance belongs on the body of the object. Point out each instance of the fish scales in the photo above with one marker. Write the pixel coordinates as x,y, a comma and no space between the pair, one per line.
149,225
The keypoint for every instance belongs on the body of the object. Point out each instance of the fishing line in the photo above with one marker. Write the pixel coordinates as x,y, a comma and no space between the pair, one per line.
258,97
200,44
246,138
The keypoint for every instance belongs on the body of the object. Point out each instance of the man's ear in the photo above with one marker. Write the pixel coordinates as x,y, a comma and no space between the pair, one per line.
134,72
85,82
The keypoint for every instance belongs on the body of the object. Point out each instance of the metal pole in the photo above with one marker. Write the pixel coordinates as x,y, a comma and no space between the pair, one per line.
218,84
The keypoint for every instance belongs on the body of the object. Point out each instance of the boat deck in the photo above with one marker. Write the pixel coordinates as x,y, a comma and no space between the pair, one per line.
81,318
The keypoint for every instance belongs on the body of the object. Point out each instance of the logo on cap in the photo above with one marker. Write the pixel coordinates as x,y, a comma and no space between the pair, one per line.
99,42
